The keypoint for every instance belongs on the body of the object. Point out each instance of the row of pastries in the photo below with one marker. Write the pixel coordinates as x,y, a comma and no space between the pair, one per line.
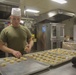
53,57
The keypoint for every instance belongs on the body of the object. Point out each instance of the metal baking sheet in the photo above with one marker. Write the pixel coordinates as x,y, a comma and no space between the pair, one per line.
41,57
55,63
23,68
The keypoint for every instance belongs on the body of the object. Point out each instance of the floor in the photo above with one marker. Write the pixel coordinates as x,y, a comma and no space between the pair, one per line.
66,69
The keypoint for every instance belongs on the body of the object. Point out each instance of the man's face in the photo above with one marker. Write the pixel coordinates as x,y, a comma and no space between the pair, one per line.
15,20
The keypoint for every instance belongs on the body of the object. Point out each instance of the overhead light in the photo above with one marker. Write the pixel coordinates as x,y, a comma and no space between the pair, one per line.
2,0
51,14
60,1
21,21
32,11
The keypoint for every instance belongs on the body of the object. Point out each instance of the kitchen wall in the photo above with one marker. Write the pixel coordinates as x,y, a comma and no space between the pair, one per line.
68,28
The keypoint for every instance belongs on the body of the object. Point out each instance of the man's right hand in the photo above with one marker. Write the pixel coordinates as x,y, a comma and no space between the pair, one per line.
17,54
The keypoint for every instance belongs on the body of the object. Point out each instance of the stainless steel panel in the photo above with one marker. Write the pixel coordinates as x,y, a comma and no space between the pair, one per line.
22,68
41,40
57,35
54,34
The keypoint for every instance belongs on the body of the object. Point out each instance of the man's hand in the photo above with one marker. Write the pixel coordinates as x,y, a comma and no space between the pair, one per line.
28,48
17,54
29,45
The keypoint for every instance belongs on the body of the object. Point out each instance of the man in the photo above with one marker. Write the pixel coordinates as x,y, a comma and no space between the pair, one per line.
17,37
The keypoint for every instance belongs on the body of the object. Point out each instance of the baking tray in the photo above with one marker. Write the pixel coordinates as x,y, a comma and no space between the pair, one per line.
23,68
41,57
52,62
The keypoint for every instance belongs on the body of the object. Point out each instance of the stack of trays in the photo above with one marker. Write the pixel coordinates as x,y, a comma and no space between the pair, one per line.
53,57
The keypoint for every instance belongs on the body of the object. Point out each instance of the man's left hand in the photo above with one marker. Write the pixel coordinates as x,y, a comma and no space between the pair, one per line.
28,48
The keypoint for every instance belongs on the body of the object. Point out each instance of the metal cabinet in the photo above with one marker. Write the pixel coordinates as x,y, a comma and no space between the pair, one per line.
57,35
49,35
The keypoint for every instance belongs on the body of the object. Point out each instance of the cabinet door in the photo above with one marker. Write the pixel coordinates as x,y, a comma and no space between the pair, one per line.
53,31
74,33
61,31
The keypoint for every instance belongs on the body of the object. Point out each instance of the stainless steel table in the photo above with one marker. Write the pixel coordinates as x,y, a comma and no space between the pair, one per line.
66,69
23,68
69,45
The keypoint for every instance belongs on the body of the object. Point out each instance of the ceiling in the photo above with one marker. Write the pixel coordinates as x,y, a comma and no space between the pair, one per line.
47,5
42,5
10,2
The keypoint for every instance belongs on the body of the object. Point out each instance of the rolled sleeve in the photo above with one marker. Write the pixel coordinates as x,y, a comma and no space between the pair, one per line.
3,36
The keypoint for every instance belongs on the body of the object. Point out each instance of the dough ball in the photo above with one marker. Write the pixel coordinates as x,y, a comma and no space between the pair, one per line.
6,59
12,61
23,58
18,60
3,64
15,59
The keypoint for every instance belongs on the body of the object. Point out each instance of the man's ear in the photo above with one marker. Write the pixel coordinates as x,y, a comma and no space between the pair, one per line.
10,17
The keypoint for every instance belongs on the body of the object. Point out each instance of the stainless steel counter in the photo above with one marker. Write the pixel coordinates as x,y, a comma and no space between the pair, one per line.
71,45
66,69
31,66
22,68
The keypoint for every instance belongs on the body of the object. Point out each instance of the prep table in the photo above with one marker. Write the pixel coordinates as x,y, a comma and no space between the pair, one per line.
71,45
66,69
26,67
40,61
53,57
